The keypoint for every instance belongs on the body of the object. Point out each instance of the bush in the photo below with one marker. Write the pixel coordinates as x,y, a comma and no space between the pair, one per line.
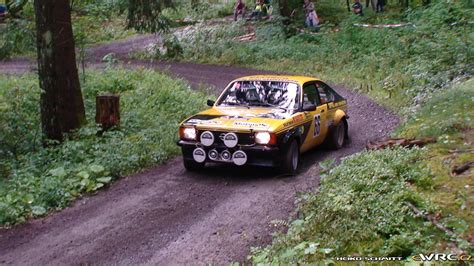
359,208
186,10
39,179
17,37
92,23
447,113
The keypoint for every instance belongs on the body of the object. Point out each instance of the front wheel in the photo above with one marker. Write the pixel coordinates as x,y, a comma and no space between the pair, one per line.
291,158
192,166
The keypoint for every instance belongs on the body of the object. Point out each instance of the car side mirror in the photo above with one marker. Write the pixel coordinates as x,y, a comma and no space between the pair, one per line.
309,107
210,102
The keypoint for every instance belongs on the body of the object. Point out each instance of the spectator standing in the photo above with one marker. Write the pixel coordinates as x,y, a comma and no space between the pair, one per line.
372,3
312,19
3,10
380,5
240,9
357,8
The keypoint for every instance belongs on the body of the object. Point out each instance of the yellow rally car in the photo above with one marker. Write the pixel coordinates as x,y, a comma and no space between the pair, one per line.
265,120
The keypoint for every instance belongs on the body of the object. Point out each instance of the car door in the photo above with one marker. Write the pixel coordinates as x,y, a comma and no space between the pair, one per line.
317,130
328,98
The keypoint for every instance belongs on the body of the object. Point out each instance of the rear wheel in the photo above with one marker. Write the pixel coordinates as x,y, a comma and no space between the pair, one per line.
338,136
191,165
291,158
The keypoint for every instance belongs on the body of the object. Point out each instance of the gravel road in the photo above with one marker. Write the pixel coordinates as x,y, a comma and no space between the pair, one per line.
167,216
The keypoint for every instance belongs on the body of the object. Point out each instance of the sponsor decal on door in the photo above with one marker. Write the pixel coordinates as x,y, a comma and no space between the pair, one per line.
317,125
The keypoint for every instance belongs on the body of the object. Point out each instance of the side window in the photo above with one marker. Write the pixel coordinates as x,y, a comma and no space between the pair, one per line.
325,93
310,94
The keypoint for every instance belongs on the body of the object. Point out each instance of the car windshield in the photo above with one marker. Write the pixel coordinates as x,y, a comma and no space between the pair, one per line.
274,94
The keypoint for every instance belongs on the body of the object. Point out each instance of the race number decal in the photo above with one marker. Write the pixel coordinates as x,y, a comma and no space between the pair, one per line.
317,125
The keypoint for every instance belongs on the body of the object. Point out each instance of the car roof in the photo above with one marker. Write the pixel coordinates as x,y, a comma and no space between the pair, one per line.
288,78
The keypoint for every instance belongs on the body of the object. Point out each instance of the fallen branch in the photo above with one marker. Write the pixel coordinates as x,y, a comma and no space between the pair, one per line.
457,170
309,32
433,220
461,151
391,142
384,26
246,37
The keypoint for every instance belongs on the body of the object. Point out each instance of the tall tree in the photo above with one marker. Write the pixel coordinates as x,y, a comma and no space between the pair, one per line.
145,15
287,7
62,106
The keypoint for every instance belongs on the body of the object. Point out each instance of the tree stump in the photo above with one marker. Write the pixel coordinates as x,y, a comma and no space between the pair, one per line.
107,113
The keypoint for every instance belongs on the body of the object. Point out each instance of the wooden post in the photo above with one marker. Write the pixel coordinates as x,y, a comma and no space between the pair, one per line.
107,113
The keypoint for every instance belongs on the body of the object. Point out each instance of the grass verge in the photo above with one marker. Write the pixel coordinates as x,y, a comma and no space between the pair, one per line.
35,180
362,206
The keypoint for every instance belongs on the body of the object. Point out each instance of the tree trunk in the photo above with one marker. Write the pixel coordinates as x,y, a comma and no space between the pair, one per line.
285,9
107,111
62,107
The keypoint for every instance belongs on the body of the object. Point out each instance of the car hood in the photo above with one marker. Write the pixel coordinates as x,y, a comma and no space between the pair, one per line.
239,119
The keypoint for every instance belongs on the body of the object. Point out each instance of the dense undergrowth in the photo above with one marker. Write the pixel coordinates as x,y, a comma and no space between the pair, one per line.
359,208
185,10
399,67
449,117
362,206
93,23
35,180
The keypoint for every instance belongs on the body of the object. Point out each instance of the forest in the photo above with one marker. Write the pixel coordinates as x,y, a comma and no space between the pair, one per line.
405,67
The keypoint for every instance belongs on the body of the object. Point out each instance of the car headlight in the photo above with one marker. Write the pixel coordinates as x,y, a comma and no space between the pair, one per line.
265,138
188,133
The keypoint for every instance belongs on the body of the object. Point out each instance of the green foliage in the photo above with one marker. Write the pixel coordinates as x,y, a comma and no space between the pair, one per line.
37,180
93,22
446,114
17,36
146,15
360,207
100,9
399,67
90,30
187,10
169,49
19,116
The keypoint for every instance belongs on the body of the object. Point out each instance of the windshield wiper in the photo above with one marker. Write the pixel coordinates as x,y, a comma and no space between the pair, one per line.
269,105
237,104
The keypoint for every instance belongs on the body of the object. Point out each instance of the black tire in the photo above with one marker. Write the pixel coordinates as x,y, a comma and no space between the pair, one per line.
291,158
338,136
193,166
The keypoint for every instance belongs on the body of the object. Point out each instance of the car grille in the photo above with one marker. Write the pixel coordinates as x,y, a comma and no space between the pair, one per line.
244,138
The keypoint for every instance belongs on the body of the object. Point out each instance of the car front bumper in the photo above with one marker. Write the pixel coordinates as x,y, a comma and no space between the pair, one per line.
257,155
